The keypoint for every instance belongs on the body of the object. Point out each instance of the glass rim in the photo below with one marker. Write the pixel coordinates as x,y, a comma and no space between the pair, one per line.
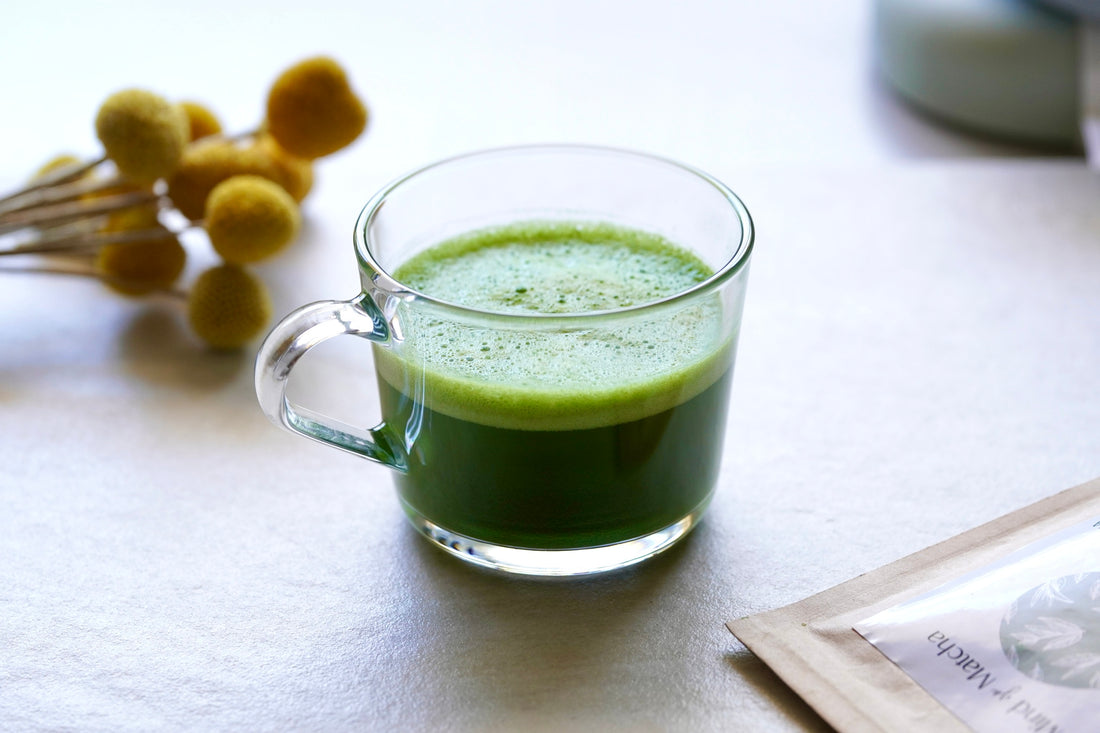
385,280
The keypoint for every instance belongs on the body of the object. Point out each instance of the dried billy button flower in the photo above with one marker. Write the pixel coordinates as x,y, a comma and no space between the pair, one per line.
57,163
249,218
228,306
312,110
208,162
142,266
201,121
174,170
142,133
291,172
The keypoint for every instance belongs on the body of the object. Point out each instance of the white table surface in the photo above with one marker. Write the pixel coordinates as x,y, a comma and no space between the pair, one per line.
919,355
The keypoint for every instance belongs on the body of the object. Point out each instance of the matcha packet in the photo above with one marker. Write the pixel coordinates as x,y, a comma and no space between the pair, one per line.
996,629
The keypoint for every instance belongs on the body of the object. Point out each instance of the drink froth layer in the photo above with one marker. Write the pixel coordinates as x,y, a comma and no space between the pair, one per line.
618,371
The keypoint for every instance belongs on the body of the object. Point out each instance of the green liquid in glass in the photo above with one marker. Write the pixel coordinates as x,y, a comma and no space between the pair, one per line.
556,440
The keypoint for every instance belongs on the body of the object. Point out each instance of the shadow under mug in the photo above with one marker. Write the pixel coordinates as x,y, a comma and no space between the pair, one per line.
600,445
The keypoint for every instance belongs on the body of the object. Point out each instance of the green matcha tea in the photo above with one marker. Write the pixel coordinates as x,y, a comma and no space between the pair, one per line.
534,433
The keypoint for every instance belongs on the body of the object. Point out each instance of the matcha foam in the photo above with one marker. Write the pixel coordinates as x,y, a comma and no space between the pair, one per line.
554,268
588,376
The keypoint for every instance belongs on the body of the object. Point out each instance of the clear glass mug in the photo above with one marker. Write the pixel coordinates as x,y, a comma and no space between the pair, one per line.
597,443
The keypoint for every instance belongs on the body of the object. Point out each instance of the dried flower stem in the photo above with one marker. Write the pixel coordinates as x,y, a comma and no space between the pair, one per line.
63,191
53,178
78,241
57,213
85,272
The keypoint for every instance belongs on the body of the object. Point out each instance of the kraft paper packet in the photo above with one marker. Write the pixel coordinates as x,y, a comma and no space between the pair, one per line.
814,648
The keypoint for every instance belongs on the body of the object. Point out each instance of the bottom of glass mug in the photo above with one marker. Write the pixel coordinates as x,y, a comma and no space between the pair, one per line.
555,563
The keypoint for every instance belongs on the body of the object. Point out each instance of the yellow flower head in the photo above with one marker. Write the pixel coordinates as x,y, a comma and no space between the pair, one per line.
207,163
132,218
142,133
228,306
249,218
312,110
292,173
140,267
57,163
201,121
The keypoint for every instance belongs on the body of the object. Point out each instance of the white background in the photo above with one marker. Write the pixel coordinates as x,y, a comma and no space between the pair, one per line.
918,356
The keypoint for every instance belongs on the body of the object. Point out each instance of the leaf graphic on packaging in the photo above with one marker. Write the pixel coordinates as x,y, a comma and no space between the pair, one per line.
1050,593
1052,632
1080,665
1049,633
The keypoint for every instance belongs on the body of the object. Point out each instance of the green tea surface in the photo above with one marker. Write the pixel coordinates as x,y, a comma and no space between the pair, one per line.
554,268
518,375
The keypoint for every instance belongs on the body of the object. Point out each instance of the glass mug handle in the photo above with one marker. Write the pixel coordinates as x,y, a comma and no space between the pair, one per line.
288,342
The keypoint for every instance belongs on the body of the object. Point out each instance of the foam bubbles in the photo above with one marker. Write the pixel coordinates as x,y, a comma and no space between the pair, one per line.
553,267
571,360
592,375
